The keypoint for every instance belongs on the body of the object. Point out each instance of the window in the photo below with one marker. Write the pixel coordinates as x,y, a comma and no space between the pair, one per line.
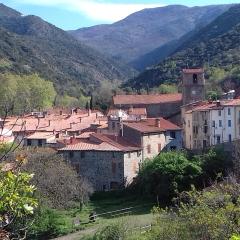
148,148
139,153
173,134
82,154
40,142
188,123
204,143
195,78
229,123
129,155
205,129
114,167
148,135
195,129
29,142
220,123
218,139
159,147
113,125
229,111
219,113
229,137
71,154
213,123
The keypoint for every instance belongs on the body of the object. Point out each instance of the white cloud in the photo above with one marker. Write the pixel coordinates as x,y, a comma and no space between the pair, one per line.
95,9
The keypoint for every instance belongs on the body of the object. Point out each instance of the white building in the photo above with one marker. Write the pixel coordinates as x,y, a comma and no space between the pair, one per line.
212,123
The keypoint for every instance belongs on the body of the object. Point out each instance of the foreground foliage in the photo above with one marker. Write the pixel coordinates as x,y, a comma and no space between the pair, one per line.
212,214
17,201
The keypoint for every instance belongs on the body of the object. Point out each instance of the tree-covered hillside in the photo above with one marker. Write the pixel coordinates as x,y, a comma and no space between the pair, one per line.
144,31
217,46
30,45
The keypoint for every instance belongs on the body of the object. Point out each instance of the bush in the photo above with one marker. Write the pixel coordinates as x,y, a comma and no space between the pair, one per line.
168,174
48,223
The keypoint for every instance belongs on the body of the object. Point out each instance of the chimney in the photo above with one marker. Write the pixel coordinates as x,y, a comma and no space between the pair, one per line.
49,123
89,112
157,122
71,140
218,103
80,119
61,112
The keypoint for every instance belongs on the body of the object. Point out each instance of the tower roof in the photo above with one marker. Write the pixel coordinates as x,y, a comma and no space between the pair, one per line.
193,70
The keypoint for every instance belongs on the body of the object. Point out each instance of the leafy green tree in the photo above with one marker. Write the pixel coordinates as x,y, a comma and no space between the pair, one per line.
167,174
34,92
17,202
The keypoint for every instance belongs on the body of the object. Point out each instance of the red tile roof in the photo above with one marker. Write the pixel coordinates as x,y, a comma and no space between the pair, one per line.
193,70
87,145
205,106
149,125
41,135
147,99
101,142
116,141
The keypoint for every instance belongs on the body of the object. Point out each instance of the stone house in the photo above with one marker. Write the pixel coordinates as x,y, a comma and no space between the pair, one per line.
153,136
107,162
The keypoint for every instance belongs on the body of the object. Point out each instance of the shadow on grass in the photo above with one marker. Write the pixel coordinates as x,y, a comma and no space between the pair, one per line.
103,202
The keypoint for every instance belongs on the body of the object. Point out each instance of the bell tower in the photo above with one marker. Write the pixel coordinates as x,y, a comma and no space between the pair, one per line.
193,83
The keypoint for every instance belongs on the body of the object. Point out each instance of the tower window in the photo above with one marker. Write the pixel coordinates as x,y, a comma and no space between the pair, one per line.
195,78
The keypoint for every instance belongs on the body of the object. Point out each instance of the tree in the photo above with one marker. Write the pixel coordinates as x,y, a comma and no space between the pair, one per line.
34,92
17,202
168,174
58,184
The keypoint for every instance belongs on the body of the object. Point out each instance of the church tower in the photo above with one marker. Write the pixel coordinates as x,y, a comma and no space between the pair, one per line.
193,83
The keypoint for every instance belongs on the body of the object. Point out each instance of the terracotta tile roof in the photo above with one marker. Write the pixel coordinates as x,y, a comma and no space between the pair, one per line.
149,125
29,123
84,135
117,141
87,145
206,106
41,135
146,99
193,70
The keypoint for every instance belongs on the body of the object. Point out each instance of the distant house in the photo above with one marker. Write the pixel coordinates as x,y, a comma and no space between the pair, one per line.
108,162
40,139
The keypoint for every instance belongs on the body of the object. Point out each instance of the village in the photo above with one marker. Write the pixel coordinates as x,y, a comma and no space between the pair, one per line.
108,149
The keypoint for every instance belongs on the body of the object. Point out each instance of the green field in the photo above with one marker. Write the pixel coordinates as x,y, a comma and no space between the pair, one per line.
110,207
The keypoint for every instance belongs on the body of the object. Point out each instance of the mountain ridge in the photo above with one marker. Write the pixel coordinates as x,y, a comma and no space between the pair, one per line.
216,45
142,32
34,45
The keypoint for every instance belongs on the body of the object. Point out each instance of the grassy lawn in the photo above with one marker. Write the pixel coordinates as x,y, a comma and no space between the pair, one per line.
138,212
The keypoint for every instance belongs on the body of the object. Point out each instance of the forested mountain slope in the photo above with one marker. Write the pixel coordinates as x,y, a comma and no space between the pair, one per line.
215,46
28,45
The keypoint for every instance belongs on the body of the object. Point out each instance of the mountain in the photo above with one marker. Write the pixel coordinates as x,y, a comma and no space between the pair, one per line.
216,45
29,44
146,30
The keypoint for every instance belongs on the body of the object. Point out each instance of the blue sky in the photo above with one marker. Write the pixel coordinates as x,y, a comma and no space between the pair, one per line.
73,14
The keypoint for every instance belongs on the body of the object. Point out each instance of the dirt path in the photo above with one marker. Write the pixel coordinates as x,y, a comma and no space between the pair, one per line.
78,235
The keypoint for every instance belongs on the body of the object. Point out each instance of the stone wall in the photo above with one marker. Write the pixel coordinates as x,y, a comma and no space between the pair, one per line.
104,170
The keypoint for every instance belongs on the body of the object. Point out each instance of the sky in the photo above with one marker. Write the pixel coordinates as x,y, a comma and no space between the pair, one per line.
74,14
